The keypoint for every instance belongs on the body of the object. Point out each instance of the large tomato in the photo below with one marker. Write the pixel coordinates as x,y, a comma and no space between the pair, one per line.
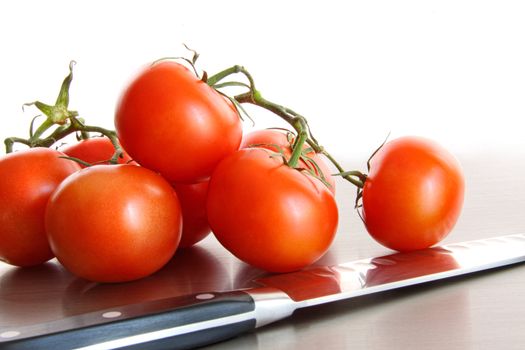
195,225
278,141
171,122
413,195
269,215
114,223
94,150
28,178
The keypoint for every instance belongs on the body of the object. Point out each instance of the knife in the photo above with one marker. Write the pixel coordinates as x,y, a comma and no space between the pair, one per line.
204,318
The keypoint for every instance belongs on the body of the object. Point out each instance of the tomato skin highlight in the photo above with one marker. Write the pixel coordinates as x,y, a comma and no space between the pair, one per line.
167,108
114,223
413,195
269,215
276,140
28,179
94,151
195,225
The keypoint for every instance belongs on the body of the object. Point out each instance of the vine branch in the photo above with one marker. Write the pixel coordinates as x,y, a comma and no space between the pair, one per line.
297,121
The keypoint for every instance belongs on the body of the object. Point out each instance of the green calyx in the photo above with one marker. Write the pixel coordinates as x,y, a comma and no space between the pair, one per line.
60,122
59,112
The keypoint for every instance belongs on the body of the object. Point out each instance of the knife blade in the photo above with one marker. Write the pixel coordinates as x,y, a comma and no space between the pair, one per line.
204,318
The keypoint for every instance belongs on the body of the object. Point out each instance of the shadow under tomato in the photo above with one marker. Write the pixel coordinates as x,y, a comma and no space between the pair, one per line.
32,294
247,276
329,258
191,270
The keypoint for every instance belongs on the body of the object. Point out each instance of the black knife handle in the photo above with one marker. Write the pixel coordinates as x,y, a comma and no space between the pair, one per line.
174,323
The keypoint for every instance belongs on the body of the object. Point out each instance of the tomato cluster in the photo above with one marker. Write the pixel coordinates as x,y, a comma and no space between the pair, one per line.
185,169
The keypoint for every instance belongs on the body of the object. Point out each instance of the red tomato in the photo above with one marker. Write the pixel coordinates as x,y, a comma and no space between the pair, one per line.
276,140
114,223
269,215
27,180
195,225
94,151
413,195
171,122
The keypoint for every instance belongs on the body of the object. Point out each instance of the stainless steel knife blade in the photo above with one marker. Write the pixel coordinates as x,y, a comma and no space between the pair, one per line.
196,320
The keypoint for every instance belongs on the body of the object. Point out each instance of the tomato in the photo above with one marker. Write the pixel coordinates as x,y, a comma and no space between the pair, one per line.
114,223
277,141
171,122
195,225
413,195
94,151
28,178
269,215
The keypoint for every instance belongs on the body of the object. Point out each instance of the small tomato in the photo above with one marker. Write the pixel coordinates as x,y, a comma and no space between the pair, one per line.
28,179
413,194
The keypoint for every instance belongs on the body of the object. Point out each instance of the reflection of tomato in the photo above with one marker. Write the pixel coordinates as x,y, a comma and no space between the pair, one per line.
94,151
191,270
32,294
307,284
276,140
28,179
113,223
413,195
195,225
404,266
268,214
170,121
244,276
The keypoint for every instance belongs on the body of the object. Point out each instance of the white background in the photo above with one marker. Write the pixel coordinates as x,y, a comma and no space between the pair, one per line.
453,71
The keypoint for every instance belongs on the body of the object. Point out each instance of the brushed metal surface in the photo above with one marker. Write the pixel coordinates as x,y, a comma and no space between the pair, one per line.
325,284
484,311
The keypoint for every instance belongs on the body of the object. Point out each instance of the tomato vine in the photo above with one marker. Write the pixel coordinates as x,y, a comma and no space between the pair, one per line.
179,92
66,121
298,122
60,122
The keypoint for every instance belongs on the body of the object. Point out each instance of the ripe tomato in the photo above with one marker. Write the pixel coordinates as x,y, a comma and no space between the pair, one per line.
195,225
28,179
413,195
276,140
94,151
171,122
269,215
114,223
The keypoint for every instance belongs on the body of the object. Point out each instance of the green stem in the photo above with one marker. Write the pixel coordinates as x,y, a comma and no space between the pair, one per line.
291,117
46,124
356,177
10,141
214,79
298,146
256,98
297,121
112,135
65,130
